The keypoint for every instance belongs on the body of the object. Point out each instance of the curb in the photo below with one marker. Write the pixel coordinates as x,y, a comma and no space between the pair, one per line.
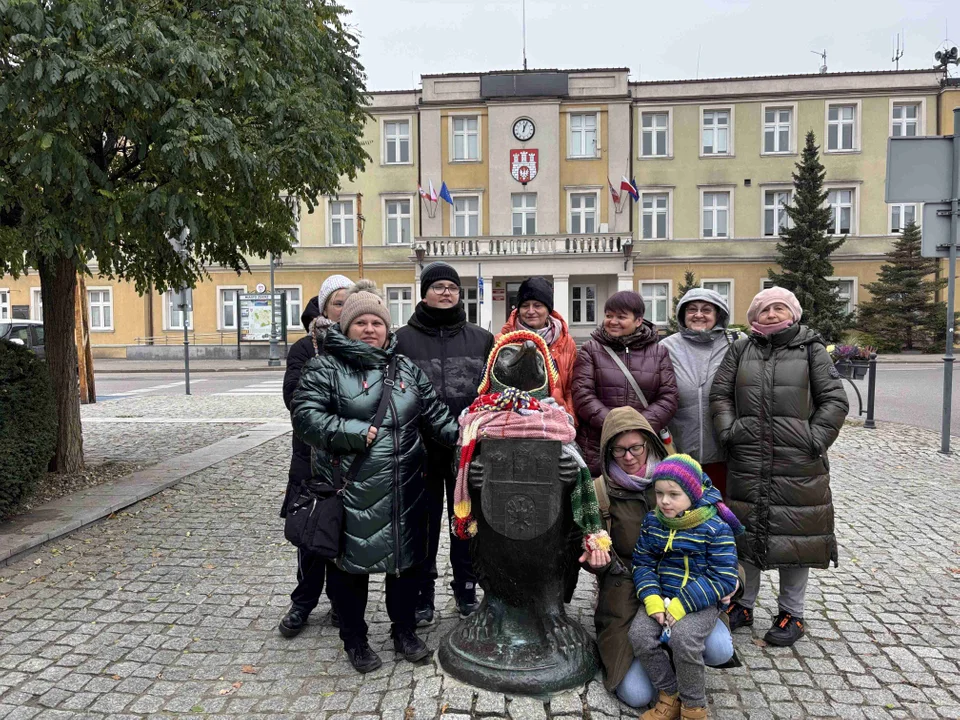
72,512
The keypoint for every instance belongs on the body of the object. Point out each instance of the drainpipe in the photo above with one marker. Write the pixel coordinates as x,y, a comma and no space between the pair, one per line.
148,313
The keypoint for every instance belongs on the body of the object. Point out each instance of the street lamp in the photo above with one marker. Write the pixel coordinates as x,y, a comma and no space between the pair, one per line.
184,300
274,356
421,253
627,249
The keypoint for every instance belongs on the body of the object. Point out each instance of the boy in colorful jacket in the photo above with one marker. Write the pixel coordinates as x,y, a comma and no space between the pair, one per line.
685,561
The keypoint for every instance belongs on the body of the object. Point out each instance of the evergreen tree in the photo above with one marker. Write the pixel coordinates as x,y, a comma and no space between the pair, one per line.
804,250
903,313
689,283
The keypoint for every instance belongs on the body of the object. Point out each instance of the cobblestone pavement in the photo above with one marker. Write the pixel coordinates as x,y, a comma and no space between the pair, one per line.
148,443
171,608
189,406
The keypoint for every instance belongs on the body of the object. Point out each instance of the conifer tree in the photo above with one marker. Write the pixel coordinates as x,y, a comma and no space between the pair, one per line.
688,284
804,250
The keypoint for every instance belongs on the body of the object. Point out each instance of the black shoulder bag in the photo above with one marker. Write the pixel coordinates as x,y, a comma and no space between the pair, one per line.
314,521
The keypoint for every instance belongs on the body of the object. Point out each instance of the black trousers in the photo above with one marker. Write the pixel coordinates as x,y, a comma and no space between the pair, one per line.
311,570
348,593
440,477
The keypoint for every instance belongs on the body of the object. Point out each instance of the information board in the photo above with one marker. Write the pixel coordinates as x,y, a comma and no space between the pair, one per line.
255,309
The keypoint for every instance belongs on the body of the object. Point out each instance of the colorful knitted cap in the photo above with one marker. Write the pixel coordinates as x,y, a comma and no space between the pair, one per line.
489,383
687,473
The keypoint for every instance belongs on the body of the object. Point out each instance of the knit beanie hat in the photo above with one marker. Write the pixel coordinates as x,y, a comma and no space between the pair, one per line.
687,473
536,288
766,298
329,287
489,382
364,298
434,272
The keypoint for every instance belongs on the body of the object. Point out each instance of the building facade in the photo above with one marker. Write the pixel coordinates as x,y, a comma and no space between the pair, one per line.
528,159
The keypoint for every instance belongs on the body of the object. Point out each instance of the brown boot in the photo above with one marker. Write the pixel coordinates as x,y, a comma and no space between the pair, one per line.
693,713
667,708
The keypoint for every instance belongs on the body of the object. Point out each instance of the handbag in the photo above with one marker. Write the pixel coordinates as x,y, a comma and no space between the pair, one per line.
664,433
314,521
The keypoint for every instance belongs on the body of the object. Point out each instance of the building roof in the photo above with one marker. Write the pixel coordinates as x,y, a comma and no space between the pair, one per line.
522,72
788,76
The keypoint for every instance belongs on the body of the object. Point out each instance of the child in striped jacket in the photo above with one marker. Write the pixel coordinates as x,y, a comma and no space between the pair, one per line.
685,561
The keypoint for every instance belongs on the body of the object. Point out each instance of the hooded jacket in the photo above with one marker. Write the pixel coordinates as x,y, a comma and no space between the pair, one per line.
385,507
617,602
564,352
696,356
777,405
599,385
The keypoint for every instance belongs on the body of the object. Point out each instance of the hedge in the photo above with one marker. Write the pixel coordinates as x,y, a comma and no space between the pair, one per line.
28,422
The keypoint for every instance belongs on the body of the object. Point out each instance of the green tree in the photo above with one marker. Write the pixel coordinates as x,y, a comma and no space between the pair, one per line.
688,284
902,313
804,249
121,123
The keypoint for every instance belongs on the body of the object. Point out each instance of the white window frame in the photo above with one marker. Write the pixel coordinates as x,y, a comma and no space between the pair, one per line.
525,211
6,307
730,130
776,188
854,211
733,291
413,301
330,218
471,301
653,190
168,320
668,111
921,113
453,215
109,304
649,306
764,283
792,142
36,304
293,319
597,147
385,139
221,326
593,190
729,189
452,142
918,216
583,304
385,200
857,126
855,294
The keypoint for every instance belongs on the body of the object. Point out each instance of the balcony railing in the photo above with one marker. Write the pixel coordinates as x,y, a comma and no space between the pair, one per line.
506,245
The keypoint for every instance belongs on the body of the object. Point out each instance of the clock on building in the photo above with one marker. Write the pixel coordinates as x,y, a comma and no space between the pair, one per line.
523,129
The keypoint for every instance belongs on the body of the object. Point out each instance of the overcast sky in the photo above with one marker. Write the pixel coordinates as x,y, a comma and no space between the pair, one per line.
402,39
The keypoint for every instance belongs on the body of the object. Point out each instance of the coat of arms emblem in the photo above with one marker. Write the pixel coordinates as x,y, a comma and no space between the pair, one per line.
523,165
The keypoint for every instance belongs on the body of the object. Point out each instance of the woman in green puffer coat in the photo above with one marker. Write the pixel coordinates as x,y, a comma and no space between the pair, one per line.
385,506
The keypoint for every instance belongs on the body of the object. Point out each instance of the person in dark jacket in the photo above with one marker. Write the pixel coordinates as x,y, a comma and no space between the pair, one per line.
385,506
321,312
777,405
452,354
599,385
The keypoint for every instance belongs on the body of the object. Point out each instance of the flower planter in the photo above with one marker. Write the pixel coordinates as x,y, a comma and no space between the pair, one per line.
852,369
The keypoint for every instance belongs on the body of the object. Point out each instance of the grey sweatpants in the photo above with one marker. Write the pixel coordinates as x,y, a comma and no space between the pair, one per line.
793,588
687,639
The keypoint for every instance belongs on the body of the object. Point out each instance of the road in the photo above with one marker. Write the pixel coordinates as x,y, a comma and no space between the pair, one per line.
111,386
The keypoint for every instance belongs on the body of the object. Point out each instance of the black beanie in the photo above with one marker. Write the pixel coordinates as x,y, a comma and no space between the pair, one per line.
536,288
433,273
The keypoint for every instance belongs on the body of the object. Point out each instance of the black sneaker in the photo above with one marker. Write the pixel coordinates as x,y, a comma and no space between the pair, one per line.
409,645
425,607
739,616
363,658
786,630
466,597
293,622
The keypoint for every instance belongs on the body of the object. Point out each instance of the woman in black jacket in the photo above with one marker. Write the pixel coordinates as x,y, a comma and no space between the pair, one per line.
321,313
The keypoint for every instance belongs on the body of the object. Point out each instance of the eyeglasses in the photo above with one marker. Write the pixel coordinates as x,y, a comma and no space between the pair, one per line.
445,289
635,450
694,310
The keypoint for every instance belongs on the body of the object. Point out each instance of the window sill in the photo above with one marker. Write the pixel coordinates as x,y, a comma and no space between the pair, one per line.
398,245
655,157
342,245
102,330
715,238
855,151
583,157
655,239
455,161
396,164
791,153
716,156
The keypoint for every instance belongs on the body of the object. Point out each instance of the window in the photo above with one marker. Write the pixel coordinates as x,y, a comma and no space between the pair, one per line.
174,313
846,291
342,223
396,134
583,212
653,134
466,216
774,212
471,305
400,302
524,213
716,214
293,304
466,138
36,304
902,215
654,209
656,299
841,127
723,288
399,222
777,124
841,211
4,304
584,307
716,132
905,119
100,303
583,135
229,307
766,284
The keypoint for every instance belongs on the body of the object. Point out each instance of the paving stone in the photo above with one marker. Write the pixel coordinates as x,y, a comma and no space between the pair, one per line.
525,708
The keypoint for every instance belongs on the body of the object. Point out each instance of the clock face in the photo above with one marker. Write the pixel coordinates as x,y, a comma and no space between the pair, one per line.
523,129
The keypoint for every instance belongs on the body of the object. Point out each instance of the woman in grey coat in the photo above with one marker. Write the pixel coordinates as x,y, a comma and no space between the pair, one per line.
696,352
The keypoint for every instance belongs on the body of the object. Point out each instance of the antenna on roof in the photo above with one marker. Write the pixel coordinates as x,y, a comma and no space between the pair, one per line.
898,49
523,14
823,59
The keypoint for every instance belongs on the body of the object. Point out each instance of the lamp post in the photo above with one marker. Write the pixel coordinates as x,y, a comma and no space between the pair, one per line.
361,221
274,357
184,300
627,249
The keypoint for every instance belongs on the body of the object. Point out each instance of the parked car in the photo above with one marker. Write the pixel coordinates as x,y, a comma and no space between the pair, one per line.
28,333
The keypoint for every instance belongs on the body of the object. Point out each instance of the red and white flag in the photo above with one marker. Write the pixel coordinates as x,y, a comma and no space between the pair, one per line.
433,193
627,186
613,191
423,193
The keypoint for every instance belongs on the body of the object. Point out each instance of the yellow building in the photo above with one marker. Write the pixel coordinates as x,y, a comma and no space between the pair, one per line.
527,156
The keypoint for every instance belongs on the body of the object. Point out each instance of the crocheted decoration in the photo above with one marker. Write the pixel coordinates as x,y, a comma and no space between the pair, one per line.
687,473
518,337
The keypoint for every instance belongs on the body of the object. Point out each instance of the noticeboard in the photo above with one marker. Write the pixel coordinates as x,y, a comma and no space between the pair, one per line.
255,313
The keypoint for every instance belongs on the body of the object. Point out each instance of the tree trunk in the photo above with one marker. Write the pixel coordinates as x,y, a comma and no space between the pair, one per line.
58,280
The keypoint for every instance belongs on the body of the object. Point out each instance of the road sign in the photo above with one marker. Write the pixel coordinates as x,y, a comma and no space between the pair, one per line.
936,230
919,169
184,299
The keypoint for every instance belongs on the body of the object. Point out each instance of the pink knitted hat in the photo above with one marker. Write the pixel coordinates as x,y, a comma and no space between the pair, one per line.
766,298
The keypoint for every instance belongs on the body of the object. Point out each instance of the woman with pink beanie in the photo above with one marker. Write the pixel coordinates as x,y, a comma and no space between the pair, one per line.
777,405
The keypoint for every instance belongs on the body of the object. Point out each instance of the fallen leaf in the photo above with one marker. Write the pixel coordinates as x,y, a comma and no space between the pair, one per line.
38,561
209,566
116,677
249,670
759,642
444,708
237,684
408,713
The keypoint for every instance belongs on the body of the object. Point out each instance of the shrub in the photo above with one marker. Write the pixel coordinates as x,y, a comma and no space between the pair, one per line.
28,422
